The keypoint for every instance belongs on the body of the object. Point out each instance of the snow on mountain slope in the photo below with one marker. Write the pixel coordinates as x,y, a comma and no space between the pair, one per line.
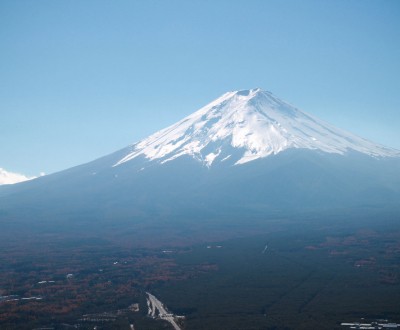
254,123
11,178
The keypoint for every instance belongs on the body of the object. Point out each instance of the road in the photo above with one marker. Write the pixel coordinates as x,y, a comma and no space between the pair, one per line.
154,304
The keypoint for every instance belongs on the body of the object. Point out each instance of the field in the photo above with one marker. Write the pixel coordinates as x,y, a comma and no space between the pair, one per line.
308,273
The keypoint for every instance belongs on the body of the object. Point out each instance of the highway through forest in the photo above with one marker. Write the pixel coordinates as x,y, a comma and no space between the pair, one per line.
154,304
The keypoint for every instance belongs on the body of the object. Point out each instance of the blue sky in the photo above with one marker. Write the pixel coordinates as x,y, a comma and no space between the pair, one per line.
81,79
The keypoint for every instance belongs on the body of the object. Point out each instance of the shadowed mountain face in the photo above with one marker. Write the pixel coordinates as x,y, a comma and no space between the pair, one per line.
246,153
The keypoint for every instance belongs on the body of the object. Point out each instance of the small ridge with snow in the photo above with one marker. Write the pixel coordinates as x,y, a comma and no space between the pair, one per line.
7,177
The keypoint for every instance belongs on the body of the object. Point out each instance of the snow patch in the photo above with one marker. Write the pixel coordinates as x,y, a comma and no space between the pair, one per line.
211,157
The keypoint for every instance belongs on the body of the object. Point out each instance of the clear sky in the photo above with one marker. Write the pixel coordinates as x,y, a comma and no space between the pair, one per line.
81,79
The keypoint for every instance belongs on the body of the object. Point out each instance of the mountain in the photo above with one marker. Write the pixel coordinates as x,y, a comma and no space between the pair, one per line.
249,124
246,154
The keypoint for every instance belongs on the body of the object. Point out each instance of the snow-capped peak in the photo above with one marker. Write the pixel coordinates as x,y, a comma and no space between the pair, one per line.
252,122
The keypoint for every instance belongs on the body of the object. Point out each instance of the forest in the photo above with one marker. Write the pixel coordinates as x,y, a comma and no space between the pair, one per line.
303,273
